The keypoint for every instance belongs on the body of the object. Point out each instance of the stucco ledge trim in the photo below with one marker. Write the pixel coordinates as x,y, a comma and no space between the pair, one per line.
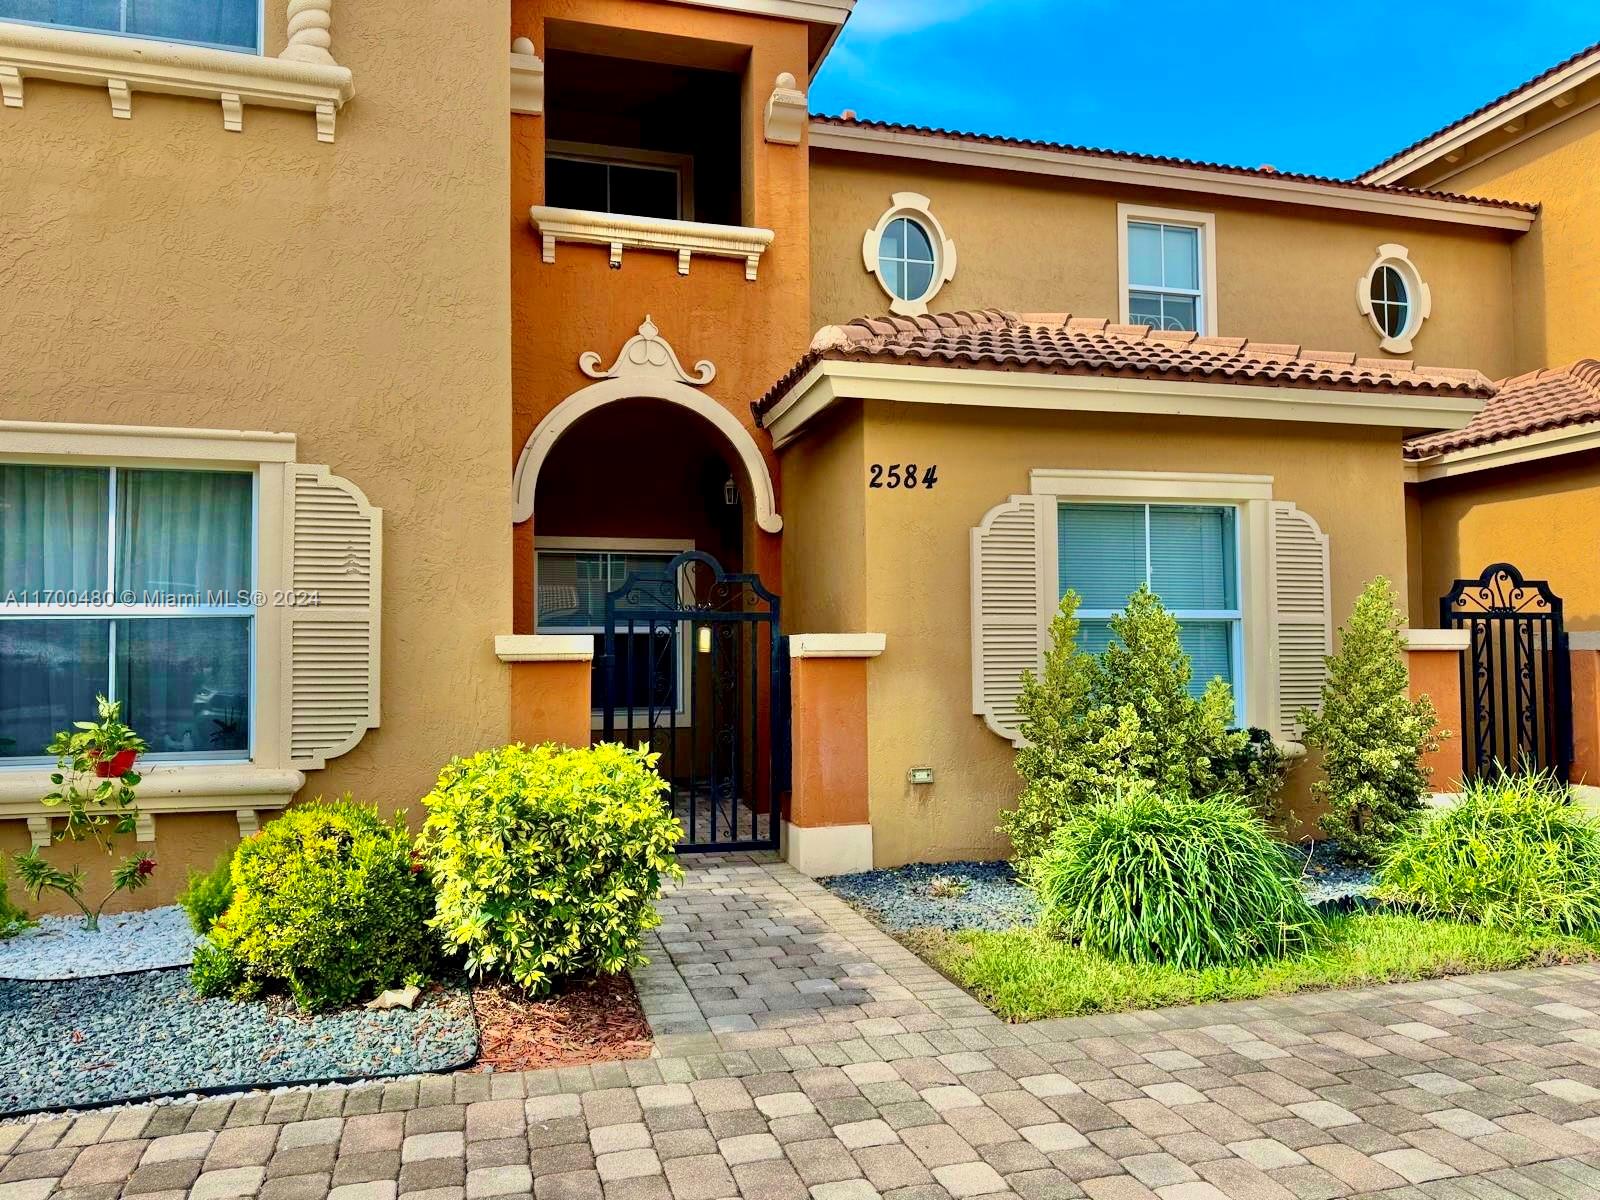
125,65
544,647
837,645
168,788
1437,639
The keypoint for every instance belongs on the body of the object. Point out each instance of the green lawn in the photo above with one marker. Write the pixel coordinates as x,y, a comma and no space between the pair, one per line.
1024,975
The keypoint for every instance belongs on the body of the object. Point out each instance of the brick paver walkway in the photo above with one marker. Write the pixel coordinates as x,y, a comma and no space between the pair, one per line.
807,1057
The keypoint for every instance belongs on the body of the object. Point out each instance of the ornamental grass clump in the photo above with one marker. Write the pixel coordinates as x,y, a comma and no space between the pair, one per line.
327,904
547,861
1514,853
1179,881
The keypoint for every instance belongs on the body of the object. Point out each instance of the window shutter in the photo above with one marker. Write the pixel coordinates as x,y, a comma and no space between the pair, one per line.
1302,614
1009,609
333,543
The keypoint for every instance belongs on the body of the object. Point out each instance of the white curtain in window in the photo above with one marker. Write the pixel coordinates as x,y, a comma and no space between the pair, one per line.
183,533
52,531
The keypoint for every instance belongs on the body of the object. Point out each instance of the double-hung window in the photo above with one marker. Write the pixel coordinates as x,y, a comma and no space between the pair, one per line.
1189,556
224,24
639,183
133,583
572,589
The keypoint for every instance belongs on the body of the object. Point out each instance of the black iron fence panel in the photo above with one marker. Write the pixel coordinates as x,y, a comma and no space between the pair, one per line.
695,666
1516,682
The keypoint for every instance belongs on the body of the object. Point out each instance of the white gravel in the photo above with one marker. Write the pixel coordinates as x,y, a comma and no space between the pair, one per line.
60,947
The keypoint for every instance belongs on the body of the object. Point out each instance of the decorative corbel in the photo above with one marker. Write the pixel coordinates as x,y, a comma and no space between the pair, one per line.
121,98
39,832
327,115
786,112
145,828
527,79
11,86
249,822
232,112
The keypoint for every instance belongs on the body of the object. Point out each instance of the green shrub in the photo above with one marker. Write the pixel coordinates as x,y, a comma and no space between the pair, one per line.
1180,881
12,919
1093,722
1371,733
216,972
327,904
546,860
1515,853
207,894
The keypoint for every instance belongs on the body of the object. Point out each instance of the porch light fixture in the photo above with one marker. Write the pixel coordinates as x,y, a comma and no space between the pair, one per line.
730,492
702,641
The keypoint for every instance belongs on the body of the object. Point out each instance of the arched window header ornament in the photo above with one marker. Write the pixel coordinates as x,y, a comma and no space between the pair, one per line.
648,354
1392,295
913,260
646,368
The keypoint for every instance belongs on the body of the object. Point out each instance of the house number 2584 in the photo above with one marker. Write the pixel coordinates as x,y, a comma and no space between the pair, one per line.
902,475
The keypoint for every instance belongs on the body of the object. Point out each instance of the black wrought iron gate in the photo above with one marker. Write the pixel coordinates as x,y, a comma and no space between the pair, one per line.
1516,676
696,666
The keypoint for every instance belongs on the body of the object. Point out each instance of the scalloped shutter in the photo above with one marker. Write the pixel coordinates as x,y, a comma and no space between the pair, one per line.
333,542
1008,609
1302,614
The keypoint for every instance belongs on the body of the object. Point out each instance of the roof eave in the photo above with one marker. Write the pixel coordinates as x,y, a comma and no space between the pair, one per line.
827,135
832,380
1507,452
1513,109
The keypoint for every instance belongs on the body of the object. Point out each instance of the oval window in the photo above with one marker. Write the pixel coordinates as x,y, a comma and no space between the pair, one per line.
1391,301
906,259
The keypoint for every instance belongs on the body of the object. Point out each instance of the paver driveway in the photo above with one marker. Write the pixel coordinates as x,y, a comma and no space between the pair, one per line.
805,1056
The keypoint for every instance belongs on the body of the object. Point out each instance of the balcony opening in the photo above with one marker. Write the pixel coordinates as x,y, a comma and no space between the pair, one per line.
646,139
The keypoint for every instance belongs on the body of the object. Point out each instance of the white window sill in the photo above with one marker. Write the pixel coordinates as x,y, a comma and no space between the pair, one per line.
622,232
124,65
165,789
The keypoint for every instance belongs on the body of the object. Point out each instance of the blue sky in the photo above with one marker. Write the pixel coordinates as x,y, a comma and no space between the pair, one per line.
1329,86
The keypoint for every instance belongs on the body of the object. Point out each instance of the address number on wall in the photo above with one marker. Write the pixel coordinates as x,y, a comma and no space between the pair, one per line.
902,475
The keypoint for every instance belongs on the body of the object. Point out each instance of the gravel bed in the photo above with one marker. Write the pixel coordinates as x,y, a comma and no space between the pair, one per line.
81,1042
61,948
1325,879
902,898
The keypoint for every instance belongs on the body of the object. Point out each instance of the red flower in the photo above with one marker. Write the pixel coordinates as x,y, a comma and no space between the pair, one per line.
146,866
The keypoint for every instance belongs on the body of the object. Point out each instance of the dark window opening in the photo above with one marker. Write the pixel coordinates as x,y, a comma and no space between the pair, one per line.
642,138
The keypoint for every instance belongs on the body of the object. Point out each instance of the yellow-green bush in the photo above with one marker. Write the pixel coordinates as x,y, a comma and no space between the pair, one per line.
546,861
327,905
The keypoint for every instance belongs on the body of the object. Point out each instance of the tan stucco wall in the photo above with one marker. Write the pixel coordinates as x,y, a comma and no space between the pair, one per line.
1558,304
162,271
824,551
1284,273
917,573
1540,517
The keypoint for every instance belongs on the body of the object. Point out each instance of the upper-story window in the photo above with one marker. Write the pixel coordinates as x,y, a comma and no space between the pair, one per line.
643,139
133,583
1168,269
228,24
1394,298
616,179
909,253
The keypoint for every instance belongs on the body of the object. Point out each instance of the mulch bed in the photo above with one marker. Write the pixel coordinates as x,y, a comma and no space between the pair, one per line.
595,1020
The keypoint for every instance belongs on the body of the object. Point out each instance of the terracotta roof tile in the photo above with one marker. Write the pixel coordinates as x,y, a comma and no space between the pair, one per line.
1062,344
1548,399
1563,65
1162,160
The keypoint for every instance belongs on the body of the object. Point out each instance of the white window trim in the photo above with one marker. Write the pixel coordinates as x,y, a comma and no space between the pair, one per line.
1418,295
1251,495
620,546
918,208
267,780
303,76
1206,223
593,152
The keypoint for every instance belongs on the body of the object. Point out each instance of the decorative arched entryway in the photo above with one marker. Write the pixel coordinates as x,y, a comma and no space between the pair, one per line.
651,507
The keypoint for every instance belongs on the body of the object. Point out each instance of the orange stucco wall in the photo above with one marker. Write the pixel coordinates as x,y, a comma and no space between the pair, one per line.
829,749
550,703
751,331
1436,674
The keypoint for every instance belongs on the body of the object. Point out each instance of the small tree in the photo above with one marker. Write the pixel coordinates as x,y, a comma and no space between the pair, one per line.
1091,723
1371,733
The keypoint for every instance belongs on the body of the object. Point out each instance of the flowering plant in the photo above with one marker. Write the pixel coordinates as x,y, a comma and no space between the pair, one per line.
97,806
